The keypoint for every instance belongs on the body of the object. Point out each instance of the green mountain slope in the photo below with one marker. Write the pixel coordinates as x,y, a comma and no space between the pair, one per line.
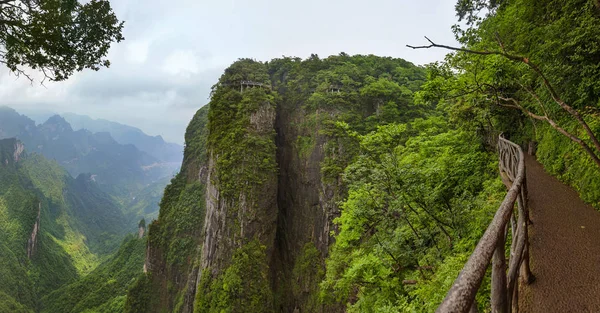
121,170
53,228
105,288
145,203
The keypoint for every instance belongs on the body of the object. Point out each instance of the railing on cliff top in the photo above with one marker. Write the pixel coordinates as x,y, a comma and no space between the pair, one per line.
504,295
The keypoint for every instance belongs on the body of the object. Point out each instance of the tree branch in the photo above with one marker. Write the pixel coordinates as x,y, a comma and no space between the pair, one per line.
435,45
539,72
579,141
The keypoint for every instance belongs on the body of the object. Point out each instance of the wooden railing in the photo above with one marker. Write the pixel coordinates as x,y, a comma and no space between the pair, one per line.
492,245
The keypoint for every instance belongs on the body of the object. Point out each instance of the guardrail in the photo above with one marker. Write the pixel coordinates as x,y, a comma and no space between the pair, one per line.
504,294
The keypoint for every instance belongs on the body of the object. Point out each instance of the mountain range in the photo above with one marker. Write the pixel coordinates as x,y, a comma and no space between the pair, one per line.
155,146
121,170
53,228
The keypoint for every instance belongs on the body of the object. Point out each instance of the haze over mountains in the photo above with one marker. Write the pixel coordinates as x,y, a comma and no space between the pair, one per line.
123,134
70,190
134,164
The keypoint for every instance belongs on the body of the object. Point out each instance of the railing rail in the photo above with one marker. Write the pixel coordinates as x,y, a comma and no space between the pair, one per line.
504,294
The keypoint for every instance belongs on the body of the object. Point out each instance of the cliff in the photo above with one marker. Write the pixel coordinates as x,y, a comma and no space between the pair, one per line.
247,224
33,238
10,151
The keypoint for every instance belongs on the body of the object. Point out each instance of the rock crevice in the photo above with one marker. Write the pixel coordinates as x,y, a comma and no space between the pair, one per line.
33,238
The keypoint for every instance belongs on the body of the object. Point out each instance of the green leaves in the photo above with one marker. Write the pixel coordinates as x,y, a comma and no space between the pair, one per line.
413,190
242,287
58,37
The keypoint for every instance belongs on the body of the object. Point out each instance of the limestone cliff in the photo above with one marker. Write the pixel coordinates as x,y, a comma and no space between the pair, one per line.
247,224
33,238
11,150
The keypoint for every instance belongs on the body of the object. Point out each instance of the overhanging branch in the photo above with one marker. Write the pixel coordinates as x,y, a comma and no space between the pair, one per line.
554,95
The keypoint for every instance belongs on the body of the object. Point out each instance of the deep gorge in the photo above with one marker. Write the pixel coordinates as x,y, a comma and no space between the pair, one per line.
258,168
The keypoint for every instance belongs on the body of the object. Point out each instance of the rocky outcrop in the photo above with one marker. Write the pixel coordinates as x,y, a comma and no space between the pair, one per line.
259,159
285,209
33,238
19,148
11,151
251,215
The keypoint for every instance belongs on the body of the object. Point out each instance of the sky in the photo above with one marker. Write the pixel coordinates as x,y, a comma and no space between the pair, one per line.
174,51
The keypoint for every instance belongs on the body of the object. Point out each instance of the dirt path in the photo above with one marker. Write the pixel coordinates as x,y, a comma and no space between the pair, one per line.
565,247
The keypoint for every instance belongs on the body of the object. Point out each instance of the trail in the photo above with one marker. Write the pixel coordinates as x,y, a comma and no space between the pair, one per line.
564,247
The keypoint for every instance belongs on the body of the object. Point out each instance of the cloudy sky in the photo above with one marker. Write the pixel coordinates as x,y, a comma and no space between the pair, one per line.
174,51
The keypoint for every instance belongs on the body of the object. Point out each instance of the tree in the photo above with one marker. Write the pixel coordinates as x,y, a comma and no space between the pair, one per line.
530,66
56,37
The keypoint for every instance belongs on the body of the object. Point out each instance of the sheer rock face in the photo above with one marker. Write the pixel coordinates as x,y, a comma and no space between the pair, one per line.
292,207
228,225
33,238
19,148
11,151
306,205
289,209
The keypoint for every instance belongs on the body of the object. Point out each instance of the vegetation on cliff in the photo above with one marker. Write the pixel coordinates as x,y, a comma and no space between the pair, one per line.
386,174
174,237
420,196
403,176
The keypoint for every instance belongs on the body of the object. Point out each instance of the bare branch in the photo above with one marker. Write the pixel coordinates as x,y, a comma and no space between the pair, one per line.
435,45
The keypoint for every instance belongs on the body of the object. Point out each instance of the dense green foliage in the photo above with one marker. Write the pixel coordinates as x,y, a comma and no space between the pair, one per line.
242,287
420,196
545,59
230,137
57,37
105,288
86,208
405,163
415,190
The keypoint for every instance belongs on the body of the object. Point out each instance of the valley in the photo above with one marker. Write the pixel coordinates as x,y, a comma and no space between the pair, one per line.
68,200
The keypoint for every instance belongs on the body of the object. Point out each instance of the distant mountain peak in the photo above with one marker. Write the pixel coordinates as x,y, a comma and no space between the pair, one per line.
58,123
4,108
155,146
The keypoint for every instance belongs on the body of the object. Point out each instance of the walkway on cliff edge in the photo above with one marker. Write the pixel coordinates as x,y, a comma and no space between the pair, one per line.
564,247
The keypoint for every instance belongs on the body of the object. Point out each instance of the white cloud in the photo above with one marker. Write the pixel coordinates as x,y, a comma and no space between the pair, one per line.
138,51
174,51
181,63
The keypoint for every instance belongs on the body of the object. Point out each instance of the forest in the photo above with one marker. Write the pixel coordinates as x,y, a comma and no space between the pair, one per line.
346,183
385,172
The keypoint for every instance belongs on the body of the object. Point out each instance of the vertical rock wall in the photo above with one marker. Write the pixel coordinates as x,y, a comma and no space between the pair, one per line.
33,238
